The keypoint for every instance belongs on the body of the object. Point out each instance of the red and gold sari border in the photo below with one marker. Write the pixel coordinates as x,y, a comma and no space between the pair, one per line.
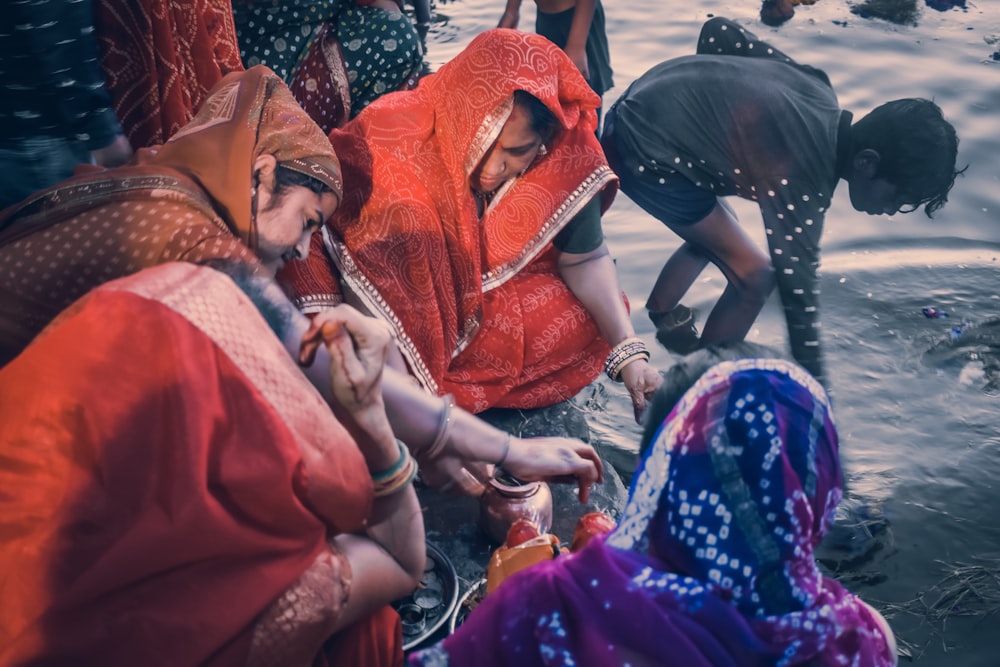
575,202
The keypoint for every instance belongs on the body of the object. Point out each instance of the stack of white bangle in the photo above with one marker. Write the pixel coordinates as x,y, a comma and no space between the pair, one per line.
623,354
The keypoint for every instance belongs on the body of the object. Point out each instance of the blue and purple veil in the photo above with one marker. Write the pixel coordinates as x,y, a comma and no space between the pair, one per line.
712,563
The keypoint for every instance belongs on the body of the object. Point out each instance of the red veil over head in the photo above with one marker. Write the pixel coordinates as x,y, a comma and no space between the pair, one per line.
408,241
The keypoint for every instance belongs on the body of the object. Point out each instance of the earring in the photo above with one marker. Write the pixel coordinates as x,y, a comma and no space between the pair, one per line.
543,150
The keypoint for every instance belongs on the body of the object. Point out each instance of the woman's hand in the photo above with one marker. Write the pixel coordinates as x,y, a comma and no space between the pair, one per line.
555,460
642,381
358,346
450,474
551,459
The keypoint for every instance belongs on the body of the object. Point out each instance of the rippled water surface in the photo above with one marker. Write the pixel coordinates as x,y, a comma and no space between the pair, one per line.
919,413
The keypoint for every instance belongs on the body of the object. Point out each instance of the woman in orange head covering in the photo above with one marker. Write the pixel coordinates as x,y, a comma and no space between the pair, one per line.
471,224
247,179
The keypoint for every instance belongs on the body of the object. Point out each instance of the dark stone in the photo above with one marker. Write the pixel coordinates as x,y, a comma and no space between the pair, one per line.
902,12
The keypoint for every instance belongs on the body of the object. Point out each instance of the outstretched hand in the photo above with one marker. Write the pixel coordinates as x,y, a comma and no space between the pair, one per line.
642,381
555,459
550,459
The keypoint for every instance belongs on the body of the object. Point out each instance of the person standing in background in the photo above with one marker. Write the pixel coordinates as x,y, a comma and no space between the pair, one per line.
54,110
577,27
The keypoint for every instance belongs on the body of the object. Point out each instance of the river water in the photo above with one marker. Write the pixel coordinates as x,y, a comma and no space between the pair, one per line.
918,415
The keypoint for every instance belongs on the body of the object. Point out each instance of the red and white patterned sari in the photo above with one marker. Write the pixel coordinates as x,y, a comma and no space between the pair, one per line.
161,59
478,306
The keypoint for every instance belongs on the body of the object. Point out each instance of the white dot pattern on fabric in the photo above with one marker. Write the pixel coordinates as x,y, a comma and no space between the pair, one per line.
790,520
58,264
381,48
806,629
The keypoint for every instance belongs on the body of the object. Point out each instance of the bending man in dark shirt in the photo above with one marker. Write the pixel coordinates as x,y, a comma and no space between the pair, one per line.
741,118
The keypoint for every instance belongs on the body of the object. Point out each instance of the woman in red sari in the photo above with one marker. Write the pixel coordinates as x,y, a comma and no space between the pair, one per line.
471,224
176,492
217,190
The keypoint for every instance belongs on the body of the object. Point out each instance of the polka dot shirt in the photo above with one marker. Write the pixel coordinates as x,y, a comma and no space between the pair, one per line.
758,126
382,49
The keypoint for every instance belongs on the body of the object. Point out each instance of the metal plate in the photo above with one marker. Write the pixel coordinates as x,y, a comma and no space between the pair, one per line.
466,604
433,603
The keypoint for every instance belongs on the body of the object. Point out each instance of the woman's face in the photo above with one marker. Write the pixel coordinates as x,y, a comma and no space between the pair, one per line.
513,152
285,222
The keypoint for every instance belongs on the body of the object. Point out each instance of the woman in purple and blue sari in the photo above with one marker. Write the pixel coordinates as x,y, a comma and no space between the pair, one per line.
712,563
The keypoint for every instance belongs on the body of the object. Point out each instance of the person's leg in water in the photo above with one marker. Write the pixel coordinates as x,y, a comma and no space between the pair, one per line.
674,322
678,275
711,234
717,238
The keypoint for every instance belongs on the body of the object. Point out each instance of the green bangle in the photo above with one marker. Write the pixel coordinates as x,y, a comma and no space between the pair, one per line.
386,474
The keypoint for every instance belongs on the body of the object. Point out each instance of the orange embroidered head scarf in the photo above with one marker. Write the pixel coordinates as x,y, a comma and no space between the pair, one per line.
248,114
407,237
187,200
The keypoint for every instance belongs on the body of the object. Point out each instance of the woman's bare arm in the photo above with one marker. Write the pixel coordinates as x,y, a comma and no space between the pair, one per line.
593,279
415,417
388,560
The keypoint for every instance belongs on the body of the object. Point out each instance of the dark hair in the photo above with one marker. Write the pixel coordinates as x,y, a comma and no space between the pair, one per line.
543,121
681,376
917,150
286,177
262,290
775,13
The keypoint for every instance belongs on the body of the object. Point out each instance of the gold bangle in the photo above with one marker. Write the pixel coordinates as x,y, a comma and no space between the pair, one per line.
623,354
444,427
